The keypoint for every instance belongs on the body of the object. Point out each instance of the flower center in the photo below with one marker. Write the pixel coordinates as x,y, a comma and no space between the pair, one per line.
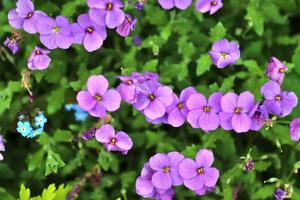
224,55
56,29
109,6
281,70
206,109
129,82
166,169
89,30
12,40
113,141
278,98
38,52
98,98
213,3
29,15
180,106
238,110
151,97
200,170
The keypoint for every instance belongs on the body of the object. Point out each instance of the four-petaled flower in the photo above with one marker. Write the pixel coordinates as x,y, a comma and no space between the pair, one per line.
180,4
127,26
12,44
276,70
211,6
39,59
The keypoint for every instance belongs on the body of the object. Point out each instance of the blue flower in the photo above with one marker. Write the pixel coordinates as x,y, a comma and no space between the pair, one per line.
40,120
69,107
24,128
36,132
81,115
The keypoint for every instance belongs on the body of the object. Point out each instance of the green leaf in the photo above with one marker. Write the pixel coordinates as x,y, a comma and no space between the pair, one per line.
255,17
151,65
203,64
104,160
62,136
53,162
62,192
24,193
36,159
49,193
217,32
296,59
55,100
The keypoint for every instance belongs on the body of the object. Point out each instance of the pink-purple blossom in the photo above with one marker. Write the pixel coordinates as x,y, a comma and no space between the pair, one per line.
88,33
39,59
113,141
224,53
276,70
259,116
107,12
98,98
180,4
2,147
12,44
127,26
295,129
211,6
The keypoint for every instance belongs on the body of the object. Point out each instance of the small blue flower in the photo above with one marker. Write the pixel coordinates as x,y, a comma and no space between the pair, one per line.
40,120
36,132
69,107
81,115
24,128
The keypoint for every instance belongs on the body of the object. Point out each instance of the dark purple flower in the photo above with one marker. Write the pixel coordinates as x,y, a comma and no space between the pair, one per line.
178,111
279,194
137,41
113,141
249,165
276,70
153,99
12,44
24,16
39,59
139,5
55,32
98,98
198,174
235,111
88,33
204,114
259,116
89,134
165,168
169,4
224,53
107,12
212,6
127,26
278,102
2,147
295,129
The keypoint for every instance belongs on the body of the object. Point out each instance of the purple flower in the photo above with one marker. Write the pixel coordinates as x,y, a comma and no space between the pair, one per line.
89,134
276,70
24,16
39,59
12,44
278,102
113,141
249,165
2,147
224,53
55,32
279,194
212,6
169,4
295,129
153,99
198,174
143,185
165,168
178,111
203,190
204,114
137,41
235,111
88,33
259,116
139,5
107,12
127,26
127,88
98,98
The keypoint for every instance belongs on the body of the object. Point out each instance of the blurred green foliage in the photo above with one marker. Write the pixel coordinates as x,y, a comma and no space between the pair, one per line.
175,45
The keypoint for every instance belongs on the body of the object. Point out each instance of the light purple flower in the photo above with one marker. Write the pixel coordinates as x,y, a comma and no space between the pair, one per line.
24,16
137,41
98,98
198,174
55,32
143,185
259,116
178,111
127,26
153,99
165,194
107,12
295,129
169,4
204,114
127,88
276,70
278,102
235,111
88,33
279,194
166,170
113,141
2,147
224,53
39,59
211,6
12,44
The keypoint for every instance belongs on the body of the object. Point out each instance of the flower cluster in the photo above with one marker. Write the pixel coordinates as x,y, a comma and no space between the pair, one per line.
80,115
203,6
2,147
163,172
25,127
